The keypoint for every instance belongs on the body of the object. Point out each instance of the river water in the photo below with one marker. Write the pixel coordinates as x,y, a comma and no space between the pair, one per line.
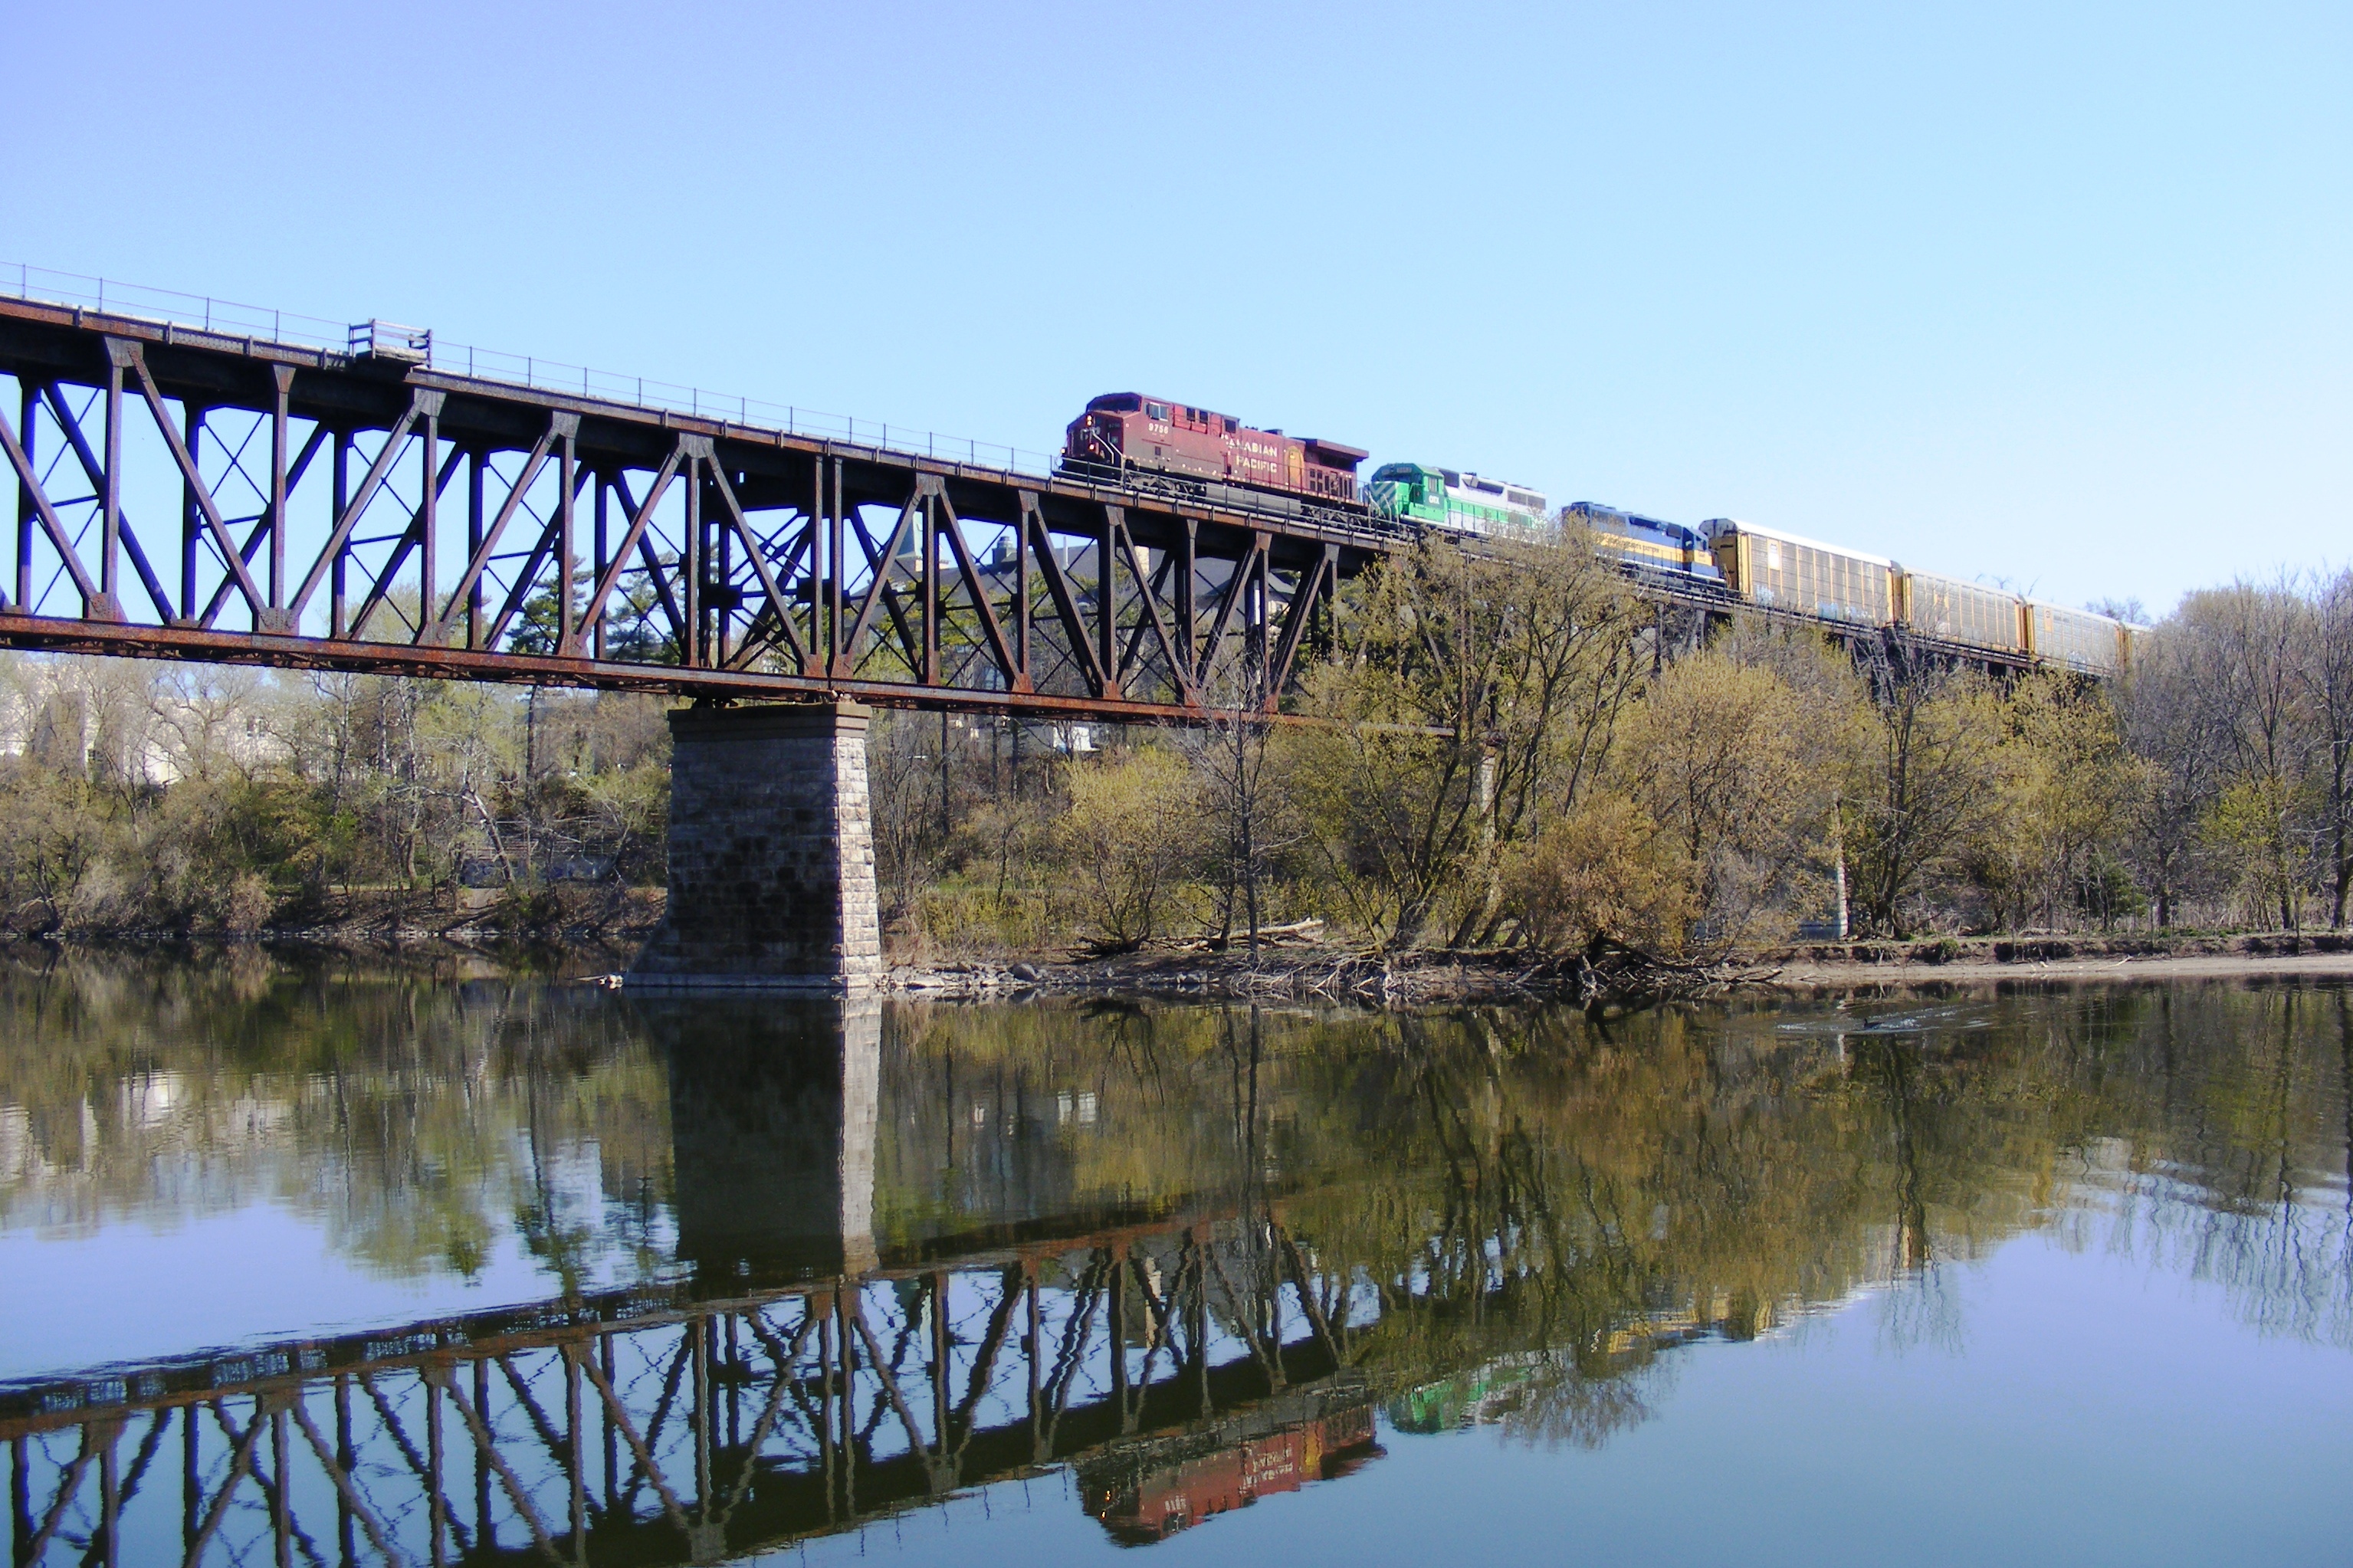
322,1264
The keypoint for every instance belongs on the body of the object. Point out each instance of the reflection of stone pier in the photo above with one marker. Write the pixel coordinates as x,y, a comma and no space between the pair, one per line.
772,1110
771,855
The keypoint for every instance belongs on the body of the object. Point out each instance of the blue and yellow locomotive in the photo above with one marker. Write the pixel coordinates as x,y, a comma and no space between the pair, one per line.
1648,547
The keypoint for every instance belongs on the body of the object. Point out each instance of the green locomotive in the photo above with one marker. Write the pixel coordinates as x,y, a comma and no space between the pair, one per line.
1442,498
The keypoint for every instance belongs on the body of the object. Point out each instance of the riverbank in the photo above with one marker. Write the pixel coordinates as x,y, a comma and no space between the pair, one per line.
590,936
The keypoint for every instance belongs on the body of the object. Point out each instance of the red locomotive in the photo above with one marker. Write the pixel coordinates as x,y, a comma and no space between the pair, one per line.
1125,434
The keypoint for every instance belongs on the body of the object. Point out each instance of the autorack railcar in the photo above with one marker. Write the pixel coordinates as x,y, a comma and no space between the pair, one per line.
1785,571
2077,639
1970,614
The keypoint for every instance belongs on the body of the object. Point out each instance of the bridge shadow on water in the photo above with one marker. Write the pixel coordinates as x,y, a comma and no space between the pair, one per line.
1187,1253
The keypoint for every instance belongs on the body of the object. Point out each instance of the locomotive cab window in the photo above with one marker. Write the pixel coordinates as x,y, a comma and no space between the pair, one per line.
1155,411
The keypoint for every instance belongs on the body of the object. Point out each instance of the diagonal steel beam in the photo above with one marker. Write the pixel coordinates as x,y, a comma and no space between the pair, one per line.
94,471
95,605
1270,1358
759,557
240,1465
231,558
1016,679
274,1489
1314,582
880,567
423,1466
884,1373
878,564
69,1487
1237,590
659,576
559,424
1307,1301
488,1447
779,1386
628,1429
599,596
264,530
540,1425
1066,604
528,576
350,1493
1177,674
670,1381
421,403
420,523
1000,1321
1075,1336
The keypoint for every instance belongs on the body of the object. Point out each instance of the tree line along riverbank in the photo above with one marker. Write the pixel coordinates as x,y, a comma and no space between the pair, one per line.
1512,754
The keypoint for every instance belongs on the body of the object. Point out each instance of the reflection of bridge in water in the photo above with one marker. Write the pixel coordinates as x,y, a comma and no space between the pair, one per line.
1178,1254
644,1427
796,1383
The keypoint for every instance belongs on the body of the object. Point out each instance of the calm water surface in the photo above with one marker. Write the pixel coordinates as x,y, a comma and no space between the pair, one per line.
315,1265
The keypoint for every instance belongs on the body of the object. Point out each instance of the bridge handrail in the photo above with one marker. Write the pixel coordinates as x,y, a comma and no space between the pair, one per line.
22,281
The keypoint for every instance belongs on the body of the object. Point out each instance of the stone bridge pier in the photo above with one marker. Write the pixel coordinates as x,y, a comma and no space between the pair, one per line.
771,855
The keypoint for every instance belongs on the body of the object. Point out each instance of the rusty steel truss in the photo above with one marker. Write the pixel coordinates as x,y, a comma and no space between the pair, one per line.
192,494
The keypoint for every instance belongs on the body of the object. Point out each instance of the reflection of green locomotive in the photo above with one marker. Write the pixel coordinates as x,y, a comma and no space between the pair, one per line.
1443,497
1463,1400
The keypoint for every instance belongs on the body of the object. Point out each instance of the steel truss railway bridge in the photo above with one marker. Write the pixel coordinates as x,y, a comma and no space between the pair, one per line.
192,484
188,488
194,494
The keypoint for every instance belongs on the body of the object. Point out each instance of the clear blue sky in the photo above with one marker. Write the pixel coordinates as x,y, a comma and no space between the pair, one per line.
2053,294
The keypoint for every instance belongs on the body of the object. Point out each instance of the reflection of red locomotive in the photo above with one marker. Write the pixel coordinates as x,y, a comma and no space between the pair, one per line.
1179,1492
1124,433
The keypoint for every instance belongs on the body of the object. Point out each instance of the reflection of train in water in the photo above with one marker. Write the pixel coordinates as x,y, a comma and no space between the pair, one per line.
1178,1483
1149,443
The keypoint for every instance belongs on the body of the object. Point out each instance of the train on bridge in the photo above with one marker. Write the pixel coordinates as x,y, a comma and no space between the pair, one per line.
1160,445
202,480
